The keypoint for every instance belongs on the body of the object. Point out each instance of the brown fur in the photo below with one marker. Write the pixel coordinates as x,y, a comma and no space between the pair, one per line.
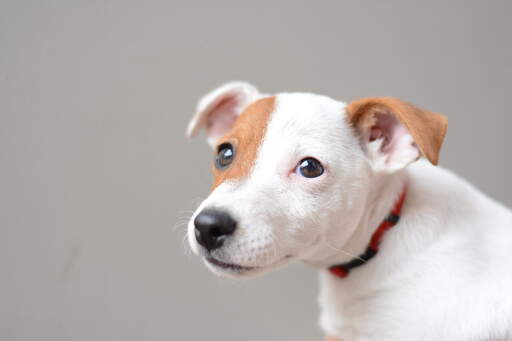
246,136
427,128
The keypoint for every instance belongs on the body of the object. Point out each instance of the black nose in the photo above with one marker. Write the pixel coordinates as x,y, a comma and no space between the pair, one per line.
213,227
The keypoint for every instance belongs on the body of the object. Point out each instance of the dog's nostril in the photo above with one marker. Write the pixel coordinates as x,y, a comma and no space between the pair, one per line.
216,232
212,227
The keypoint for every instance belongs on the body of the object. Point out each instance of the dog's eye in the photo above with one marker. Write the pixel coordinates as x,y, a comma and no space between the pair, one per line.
310,168
225,155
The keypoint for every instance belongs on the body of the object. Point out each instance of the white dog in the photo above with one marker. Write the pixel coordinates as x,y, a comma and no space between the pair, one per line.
304,177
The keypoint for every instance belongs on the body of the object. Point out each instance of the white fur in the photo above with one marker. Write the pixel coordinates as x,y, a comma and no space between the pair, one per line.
444,272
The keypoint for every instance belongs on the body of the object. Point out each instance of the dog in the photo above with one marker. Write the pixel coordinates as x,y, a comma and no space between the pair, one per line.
405,250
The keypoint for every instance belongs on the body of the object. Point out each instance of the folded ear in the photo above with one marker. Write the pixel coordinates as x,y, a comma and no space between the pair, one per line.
395,133
217,111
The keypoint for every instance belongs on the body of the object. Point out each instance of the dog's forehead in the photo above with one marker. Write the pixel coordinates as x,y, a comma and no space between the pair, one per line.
305,113
285,117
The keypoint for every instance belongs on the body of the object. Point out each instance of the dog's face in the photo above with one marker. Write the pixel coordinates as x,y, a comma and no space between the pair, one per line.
291,173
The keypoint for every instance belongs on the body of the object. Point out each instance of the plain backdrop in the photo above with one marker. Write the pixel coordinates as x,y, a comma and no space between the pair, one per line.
97,179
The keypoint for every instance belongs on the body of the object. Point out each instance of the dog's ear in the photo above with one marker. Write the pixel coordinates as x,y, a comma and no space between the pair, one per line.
395,133
217,111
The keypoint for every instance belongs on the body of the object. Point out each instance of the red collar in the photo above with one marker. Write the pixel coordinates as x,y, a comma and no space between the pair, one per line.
342,270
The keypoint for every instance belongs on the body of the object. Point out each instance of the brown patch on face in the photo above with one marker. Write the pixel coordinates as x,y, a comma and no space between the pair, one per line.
246,136
427,128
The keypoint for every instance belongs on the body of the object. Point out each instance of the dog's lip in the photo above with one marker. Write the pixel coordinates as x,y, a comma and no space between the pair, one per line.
228,266
237,267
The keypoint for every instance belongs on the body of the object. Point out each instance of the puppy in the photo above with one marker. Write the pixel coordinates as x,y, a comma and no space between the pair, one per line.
405,250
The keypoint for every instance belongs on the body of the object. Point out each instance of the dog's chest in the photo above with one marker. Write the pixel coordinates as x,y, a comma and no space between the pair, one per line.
351,310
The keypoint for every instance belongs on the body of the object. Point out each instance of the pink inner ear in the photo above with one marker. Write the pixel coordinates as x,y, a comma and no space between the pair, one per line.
389,128
375,134
398,147
222,117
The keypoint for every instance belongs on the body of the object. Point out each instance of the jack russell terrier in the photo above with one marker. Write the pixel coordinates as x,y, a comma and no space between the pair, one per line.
405,250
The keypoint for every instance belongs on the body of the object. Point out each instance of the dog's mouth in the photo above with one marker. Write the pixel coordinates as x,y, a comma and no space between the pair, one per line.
228,266
236,270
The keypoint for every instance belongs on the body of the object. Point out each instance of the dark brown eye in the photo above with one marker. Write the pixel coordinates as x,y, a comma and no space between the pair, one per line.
309,168
225,156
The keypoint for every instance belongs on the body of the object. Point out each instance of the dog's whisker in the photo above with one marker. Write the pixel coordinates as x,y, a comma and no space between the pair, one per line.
183,220
275,244
180,226
186,245
345,252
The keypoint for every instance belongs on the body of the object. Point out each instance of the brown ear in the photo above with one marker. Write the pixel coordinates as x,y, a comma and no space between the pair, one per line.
427,129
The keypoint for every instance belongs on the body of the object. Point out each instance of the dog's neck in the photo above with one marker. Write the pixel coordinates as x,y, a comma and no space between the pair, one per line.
385,190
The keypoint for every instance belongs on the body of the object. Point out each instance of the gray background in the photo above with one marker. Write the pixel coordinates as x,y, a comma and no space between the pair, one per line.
97,179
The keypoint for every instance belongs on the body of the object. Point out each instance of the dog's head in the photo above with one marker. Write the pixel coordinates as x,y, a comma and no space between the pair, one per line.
292,172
